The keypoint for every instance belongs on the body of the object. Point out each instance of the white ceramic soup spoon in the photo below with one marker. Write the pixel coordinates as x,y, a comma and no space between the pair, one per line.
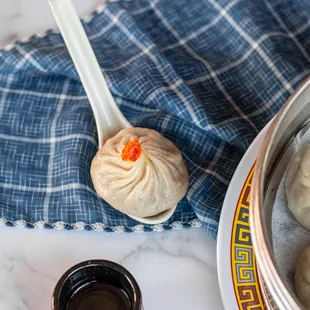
109,119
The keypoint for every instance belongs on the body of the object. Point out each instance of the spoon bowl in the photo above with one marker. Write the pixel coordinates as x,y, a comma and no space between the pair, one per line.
109,119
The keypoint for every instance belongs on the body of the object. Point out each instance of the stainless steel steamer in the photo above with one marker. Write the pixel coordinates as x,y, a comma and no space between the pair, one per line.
276,151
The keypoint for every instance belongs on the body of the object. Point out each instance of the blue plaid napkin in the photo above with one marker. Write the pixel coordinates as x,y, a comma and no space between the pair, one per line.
206,74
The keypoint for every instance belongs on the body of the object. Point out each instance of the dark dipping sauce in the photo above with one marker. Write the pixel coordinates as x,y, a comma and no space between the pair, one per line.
97,285
99,296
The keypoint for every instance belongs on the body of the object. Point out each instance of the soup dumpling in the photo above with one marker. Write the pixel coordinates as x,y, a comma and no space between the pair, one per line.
139,172
298,186
302,278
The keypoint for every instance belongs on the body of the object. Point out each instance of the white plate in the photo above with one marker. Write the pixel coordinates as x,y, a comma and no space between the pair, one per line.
237,271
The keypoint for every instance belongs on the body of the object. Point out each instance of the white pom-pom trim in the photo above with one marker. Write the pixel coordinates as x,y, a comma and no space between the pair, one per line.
140,228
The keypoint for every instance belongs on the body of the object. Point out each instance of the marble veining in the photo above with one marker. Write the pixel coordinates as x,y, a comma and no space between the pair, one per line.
20,19
176,270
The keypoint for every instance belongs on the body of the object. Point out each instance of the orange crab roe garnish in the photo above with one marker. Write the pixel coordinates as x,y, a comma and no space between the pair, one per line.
132,150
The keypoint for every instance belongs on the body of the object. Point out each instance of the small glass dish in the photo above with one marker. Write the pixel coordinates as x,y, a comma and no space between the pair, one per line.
97,284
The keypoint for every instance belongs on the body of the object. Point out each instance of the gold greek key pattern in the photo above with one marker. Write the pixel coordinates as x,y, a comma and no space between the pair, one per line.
243,264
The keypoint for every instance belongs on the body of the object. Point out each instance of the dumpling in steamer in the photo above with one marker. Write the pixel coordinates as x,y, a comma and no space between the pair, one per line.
302,278
140,172
298,186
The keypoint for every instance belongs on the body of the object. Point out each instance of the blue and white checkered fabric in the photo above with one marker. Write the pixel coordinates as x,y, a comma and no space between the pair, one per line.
206,74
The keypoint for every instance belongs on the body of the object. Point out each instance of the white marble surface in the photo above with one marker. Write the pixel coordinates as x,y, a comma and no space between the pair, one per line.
176,270
20,19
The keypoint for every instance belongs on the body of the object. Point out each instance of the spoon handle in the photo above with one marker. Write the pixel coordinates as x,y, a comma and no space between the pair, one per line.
108,117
